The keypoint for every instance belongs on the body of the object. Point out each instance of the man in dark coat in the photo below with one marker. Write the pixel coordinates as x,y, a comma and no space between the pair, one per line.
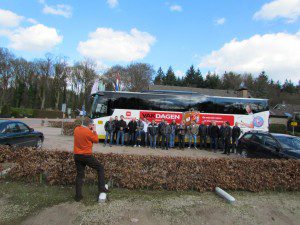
159,135
227,138
121,126
116,129
132,131
221,140
152,131
236,132
181,131
165,131
203,135
214,134
109,129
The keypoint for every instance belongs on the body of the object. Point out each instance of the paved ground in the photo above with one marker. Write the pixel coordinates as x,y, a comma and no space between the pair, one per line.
54,140
36,123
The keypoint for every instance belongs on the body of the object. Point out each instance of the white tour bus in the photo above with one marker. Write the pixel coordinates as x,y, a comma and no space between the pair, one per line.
250,113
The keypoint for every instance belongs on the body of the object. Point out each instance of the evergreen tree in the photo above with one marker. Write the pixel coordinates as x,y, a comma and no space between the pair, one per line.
192,78
231,81
170,78
212,81
289,87
261,85
160,77
179,82
200,80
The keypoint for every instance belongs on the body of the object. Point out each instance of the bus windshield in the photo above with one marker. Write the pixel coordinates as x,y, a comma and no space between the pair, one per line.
99,107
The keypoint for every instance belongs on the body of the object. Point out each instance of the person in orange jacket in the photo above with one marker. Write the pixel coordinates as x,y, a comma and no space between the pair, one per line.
84,137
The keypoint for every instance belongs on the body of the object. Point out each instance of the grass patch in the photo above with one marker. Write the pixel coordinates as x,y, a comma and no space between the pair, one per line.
20,200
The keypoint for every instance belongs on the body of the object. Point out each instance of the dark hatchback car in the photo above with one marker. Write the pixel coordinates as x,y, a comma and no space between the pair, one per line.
15,133
257,144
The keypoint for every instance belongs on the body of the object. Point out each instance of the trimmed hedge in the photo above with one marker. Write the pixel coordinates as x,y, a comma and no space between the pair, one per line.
68,128
37,113
277,128
21,112
153,172
56,124
8,111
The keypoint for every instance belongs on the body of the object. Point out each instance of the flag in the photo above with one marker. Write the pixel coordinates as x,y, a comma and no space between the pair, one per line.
95,87
117,85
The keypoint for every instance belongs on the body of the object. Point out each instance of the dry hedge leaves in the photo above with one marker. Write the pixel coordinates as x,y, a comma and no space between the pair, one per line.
154,172
68,128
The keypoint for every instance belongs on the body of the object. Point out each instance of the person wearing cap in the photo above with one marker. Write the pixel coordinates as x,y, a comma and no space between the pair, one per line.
84,137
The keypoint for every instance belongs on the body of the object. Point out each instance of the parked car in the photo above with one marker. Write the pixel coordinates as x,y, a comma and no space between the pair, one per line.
16,133
257,144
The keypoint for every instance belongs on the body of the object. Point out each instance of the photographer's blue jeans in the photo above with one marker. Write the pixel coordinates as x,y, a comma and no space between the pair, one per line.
120,134
172,140
193,137
110,135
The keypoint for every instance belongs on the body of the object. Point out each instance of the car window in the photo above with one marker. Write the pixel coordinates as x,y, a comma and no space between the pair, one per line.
12,128
248,136
289,142
23,127
258,138
270,142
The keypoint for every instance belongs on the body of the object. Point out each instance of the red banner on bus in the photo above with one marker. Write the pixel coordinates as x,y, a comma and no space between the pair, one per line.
207,118
219,119
158,116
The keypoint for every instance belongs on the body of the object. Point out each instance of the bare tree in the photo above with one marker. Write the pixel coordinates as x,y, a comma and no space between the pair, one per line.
84,76
141,75
45,72
59,79
6,72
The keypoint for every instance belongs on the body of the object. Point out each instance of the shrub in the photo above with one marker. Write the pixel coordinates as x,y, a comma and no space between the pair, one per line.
56,124
21,112
37,113
70,126
154,172
277,128
6,110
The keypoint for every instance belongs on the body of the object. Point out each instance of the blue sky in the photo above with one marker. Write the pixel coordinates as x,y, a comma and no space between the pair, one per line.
216,35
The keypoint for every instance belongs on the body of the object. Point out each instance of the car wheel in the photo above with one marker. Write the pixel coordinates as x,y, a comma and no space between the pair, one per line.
39,143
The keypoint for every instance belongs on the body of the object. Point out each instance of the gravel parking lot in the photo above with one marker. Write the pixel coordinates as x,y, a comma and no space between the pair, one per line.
54,140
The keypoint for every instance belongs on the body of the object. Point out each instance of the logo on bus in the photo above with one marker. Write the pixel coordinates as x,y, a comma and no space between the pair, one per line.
128,113
158,116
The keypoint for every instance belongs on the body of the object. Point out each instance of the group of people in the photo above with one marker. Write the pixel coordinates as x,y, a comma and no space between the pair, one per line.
163,134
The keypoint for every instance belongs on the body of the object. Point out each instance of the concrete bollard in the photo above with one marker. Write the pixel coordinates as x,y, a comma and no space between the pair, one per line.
225,195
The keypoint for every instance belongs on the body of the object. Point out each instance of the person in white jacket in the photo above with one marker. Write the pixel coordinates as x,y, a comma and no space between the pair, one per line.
145,131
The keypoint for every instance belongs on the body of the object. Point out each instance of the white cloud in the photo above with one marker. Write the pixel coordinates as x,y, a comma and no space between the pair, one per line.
111,45
179,73
175,8
220,21
9,19
34,38
112,3
33,21
287,9
277,54
60,9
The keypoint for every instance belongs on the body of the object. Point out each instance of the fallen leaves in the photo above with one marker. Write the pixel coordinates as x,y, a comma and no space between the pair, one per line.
154,172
